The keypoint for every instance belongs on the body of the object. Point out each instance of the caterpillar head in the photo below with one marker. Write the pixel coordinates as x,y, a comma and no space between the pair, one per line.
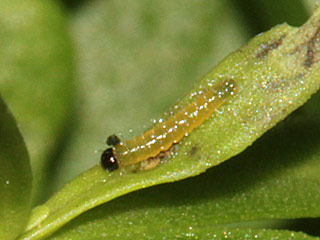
108,160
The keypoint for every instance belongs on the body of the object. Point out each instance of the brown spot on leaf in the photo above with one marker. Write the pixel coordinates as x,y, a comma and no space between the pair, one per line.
266,48
311,49
193,150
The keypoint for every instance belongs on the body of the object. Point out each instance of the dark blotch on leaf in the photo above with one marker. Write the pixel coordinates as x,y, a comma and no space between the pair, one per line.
266,48
193,150
312,49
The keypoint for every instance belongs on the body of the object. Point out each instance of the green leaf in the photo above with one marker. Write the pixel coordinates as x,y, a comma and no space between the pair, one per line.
36,76
276,178
205,232
275,73
15,177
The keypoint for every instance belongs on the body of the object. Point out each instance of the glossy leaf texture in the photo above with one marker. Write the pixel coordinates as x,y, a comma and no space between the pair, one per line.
256,185
15,177
275,74
205,233
36,65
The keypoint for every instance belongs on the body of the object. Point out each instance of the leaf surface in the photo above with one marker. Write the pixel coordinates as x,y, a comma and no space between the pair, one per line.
255,185
205,232
36,77
275,74
15,177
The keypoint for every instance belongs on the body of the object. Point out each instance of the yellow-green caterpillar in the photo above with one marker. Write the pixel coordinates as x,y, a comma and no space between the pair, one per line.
171,131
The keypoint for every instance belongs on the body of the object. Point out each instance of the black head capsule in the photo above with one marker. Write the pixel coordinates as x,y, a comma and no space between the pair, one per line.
113,140
108,161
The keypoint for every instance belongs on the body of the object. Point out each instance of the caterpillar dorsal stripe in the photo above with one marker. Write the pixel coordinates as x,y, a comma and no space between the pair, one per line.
171,131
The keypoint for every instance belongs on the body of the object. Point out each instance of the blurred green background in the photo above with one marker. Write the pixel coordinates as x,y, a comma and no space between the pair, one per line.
74,72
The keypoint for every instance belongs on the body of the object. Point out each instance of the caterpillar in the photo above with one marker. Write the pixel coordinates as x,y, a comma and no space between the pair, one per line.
168,132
